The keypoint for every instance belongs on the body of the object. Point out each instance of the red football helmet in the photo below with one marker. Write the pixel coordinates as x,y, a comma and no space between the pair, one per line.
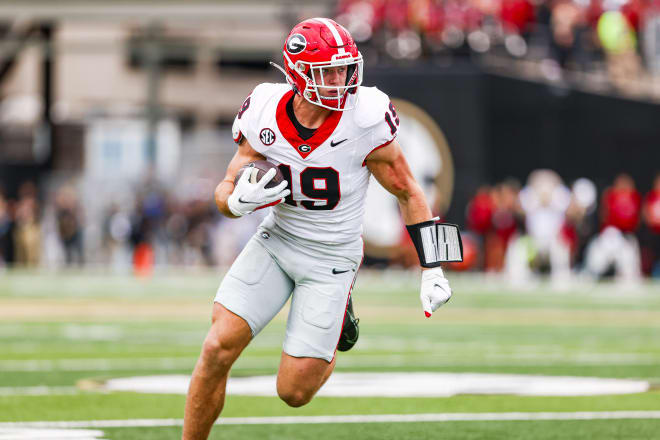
312,47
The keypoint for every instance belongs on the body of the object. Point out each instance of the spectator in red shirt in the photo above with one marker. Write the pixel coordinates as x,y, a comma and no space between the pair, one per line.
505,219
480,211
651,214
479,219
517,16
633,10
652,207
616,245
621,205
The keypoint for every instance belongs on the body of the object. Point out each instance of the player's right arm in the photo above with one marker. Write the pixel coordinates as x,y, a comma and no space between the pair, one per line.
244,154
248,195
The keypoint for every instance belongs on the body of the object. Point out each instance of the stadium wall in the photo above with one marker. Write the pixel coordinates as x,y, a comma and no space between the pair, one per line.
499,127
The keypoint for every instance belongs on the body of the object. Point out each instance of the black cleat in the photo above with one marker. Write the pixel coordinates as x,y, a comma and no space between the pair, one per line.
350,331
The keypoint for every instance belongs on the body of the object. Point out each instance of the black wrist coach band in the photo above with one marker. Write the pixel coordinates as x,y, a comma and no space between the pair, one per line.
436,242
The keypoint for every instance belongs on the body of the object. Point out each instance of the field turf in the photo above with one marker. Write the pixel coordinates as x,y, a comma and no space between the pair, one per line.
63,333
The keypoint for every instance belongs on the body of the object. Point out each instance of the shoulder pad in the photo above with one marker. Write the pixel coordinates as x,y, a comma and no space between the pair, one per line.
253,107
236,133
264,91
371,107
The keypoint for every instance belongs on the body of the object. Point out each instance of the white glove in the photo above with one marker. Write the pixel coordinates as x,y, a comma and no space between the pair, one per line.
435,290
248,197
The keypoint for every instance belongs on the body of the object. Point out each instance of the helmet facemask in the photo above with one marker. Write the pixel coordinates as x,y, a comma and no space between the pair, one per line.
310,71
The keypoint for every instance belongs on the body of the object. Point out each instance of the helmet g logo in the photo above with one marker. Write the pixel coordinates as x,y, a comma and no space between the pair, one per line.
296,44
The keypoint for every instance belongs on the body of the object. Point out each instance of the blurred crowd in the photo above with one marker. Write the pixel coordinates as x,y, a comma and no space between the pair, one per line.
616,36
546,226
543,226
20,231
138,230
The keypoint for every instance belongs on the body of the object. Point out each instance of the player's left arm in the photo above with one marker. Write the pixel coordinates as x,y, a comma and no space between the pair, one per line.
390,168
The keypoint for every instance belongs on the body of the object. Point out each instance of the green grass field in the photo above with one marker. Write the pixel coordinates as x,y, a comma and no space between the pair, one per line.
60,334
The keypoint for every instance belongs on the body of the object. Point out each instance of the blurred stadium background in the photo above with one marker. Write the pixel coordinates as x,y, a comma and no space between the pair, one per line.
533,124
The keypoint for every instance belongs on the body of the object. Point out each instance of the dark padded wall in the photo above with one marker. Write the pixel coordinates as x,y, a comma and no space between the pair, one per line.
575,133
453,100
500,127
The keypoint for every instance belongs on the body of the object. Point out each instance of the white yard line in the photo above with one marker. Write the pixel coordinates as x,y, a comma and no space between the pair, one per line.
49,434
98,364
361,359
419,384
38,391
375,418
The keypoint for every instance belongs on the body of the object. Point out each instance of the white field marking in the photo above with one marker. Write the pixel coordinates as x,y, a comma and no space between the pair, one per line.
37,391
48,434
98,364
524,355
360,359
92,332
372,418
401,385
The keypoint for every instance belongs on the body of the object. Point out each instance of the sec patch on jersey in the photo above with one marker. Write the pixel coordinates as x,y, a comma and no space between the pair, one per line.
262,167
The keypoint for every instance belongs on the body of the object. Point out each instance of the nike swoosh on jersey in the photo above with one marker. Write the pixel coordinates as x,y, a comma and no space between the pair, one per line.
334,144
335,271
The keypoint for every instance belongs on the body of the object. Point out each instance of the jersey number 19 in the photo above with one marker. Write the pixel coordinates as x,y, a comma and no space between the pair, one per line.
315,183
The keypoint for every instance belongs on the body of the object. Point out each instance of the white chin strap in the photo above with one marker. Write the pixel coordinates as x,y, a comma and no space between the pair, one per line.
312,91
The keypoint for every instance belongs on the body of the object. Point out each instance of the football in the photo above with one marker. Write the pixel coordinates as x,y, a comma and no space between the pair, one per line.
262,166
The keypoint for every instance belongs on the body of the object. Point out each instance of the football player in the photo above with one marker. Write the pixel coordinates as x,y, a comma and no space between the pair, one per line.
327,135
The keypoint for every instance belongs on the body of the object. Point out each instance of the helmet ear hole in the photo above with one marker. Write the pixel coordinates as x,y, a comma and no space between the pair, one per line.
350,71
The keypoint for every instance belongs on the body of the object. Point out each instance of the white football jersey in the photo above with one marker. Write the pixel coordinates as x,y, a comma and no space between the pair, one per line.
327,175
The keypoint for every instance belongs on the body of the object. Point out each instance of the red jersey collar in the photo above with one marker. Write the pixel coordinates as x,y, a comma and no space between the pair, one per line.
304,147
